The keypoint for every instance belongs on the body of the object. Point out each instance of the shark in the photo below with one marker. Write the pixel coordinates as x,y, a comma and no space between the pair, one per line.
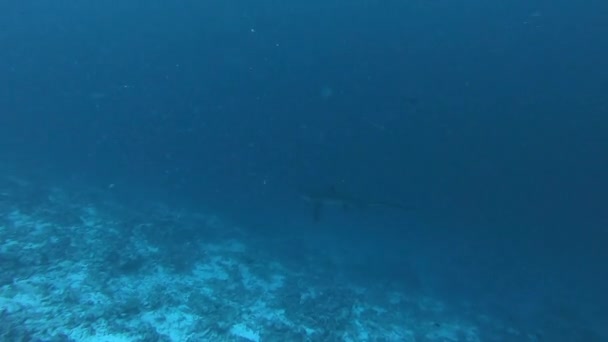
330,197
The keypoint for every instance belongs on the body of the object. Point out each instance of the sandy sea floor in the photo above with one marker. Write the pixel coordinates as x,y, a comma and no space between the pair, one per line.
77,266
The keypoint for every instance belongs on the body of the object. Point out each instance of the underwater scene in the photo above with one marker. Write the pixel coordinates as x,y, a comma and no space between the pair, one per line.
253,171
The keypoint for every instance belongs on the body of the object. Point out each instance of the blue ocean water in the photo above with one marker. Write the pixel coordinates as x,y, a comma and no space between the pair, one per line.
367,170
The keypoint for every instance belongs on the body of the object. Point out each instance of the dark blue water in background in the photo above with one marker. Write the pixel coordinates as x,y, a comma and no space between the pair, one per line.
490,118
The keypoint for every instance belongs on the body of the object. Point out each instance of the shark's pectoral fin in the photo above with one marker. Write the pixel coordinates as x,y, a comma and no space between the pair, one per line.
317,208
